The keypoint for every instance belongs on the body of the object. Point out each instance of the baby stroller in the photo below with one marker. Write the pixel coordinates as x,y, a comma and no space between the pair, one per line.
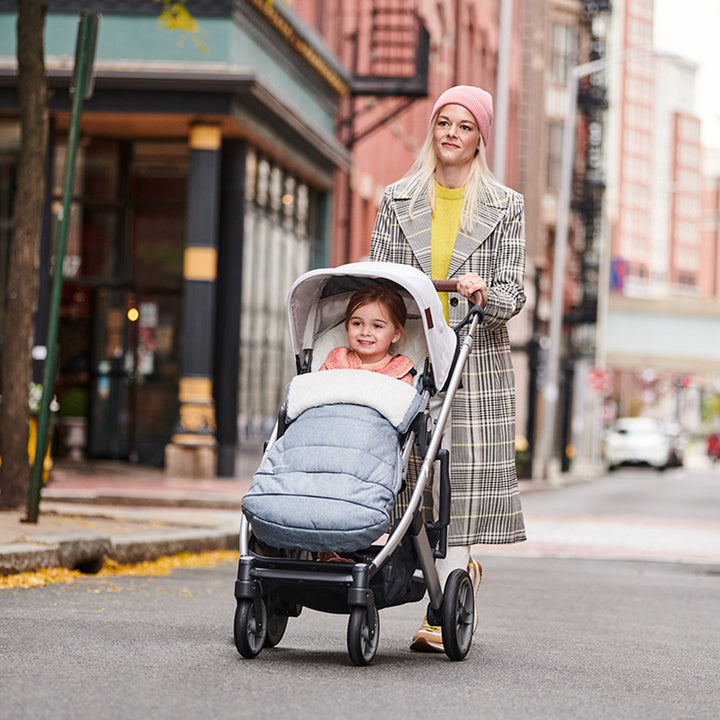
333,468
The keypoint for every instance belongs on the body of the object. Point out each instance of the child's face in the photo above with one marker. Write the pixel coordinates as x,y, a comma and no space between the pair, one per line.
371,331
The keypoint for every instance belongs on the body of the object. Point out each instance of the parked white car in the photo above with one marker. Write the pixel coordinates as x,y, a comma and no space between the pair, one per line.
638,441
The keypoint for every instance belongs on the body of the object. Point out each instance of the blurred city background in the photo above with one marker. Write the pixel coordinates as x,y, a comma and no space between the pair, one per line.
219,161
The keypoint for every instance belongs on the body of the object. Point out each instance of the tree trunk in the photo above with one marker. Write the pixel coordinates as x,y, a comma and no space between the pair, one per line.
22,282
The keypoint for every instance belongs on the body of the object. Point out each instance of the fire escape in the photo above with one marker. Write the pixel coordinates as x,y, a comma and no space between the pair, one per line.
391,48
390,55
587,202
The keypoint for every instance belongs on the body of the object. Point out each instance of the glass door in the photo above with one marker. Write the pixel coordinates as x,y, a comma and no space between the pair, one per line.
112,374
157,187
122,299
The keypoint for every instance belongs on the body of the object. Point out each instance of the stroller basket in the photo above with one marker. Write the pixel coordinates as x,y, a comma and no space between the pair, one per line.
324,586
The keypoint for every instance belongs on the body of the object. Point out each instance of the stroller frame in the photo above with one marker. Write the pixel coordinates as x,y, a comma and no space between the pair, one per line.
270,589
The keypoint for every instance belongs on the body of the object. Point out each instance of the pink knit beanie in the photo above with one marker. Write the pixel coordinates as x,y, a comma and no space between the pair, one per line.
475,99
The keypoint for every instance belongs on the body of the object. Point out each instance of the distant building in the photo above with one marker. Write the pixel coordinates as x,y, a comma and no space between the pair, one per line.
631,151
677,257
662,325
710,226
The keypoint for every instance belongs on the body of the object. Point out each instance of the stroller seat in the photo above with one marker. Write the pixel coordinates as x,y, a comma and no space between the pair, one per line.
330,481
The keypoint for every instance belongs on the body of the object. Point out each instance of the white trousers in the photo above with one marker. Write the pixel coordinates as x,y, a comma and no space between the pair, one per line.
458,556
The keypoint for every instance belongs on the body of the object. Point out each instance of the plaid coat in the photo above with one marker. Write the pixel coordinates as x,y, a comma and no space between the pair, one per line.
485,505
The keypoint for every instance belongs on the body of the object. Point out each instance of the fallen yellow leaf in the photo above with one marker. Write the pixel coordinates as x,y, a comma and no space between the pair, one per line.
162,566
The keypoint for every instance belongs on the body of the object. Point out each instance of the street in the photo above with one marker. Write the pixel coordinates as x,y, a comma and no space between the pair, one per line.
568,628
633,513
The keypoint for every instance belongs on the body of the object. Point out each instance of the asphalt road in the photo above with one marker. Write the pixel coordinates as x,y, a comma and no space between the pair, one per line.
691,494
559,637
633,514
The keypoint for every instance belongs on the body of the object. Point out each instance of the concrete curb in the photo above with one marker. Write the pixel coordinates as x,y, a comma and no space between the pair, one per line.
87,553
27,558
130,499
139,548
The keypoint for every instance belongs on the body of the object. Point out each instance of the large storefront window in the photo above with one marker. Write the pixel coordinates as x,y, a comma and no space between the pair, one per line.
120,325
122,299
278,246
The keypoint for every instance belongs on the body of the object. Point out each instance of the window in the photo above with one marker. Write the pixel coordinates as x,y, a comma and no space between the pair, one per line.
280,239
564,53
554,156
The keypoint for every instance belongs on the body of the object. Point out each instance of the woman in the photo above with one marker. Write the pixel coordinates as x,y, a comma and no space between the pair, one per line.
452,219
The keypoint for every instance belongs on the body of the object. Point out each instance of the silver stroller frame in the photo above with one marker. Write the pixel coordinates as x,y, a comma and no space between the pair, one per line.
269,589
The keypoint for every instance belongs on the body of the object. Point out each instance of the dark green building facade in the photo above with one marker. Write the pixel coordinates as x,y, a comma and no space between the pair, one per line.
203,190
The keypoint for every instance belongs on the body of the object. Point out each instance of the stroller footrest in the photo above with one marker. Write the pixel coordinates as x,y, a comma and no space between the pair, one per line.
328,576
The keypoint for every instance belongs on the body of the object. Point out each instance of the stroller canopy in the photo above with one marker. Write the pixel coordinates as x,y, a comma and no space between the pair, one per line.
311,310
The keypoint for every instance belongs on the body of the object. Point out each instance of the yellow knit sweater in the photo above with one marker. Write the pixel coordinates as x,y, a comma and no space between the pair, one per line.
444,229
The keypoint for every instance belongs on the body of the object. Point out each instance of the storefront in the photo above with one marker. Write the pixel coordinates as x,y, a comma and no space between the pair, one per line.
181,249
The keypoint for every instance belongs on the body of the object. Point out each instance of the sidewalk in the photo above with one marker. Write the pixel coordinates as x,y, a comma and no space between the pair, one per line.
128,513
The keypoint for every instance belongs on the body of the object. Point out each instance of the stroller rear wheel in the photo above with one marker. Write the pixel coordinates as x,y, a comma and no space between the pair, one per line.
363,634
458,612
250,627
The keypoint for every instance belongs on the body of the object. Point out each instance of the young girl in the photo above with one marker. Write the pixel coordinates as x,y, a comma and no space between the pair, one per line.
374,319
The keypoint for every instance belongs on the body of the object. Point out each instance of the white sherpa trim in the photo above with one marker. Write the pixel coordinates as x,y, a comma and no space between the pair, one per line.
389,396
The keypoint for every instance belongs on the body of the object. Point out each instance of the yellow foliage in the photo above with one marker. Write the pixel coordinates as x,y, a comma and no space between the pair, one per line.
166,564
162,566
176,17
49,576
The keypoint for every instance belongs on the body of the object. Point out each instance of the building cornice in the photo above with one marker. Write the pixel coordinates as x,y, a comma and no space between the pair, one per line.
247,97
298,36
305,42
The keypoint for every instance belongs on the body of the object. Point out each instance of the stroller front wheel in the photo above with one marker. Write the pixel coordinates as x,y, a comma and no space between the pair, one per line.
250,627
276,625
363,634
458,612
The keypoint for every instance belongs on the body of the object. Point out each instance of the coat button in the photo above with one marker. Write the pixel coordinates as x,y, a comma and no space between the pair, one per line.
454,301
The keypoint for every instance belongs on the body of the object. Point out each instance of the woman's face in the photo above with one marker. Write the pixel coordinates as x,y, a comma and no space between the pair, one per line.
456,136
371,331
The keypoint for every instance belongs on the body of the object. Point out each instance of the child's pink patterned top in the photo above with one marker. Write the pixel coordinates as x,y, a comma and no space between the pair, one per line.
343,358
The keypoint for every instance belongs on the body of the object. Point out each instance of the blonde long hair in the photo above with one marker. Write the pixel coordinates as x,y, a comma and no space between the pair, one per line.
421,178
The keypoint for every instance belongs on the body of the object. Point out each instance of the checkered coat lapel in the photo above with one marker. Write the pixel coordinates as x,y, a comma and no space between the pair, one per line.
415,228
487,217
485,506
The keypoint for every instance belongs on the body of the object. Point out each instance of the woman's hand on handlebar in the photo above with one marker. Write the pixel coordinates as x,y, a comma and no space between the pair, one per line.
474,288
471,286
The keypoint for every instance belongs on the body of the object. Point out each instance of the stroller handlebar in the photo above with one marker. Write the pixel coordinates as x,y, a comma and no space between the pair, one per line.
445,285
451,286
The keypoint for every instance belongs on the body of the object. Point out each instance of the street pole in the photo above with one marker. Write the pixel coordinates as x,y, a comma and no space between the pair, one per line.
81,89
601,337
550,390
